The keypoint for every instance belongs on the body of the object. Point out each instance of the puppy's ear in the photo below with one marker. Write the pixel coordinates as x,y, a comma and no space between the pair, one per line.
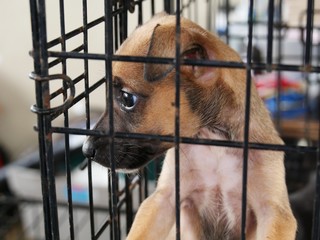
193,46
195,51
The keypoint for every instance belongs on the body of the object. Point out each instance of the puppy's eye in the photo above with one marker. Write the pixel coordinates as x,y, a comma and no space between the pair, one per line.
127,100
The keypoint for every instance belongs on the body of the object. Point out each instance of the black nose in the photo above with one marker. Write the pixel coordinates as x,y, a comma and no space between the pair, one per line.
88,149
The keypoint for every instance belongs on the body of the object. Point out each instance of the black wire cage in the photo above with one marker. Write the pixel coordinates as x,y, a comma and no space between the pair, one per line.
73,49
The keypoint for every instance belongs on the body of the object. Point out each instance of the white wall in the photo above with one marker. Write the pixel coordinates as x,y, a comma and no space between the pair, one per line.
16,90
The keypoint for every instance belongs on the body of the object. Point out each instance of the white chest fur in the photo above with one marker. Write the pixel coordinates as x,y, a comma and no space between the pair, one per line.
212,166
211,178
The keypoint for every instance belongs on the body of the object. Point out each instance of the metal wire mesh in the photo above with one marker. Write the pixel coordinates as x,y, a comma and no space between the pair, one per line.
68,58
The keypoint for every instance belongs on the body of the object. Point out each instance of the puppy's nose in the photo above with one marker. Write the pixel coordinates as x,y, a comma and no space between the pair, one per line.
88,149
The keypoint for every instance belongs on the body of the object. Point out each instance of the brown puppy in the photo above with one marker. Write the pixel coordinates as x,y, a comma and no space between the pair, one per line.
212,107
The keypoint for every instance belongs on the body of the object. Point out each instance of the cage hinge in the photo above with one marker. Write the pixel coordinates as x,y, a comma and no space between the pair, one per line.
128,4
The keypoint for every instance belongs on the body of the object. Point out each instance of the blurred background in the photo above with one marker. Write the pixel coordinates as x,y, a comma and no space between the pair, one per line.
18,138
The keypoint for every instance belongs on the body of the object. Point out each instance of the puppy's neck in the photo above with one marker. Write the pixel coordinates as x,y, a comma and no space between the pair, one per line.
215,133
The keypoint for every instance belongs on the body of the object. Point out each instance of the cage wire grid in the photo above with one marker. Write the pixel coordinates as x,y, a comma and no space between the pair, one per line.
115,21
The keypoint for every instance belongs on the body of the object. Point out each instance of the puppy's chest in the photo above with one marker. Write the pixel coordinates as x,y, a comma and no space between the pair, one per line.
210,169
211,179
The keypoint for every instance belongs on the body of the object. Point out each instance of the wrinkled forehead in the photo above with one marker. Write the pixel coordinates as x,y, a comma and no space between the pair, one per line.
128,71
137,44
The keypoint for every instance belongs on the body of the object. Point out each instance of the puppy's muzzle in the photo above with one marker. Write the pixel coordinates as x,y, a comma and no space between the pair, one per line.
128,154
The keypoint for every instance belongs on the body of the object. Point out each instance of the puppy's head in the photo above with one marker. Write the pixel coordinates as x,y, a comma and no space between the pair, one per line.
144,93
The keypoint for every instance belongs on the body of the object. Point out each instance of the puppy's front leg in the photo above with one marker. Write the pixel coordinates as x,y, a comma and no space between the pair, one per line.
154,219
276,223
269,199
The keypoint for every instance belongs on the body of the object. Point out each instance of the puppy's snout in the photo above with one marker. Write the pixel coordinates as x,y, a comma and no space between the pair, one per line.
88,149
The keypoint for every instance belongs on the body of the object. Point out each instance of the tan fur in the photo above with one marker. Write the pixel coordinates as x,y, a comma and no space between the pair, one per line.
212,106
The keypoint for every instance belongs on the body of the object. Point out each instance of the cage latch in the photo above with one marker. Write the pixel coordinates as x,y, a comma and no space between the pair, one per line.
68,101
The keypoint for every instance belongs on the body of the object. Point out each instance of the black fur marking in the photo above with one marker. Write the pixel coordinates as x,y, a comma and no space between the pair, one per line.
210,105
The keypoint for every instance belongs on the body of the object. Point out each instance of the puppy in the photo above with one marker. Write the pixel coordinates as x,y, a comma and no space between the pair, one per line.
212,106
